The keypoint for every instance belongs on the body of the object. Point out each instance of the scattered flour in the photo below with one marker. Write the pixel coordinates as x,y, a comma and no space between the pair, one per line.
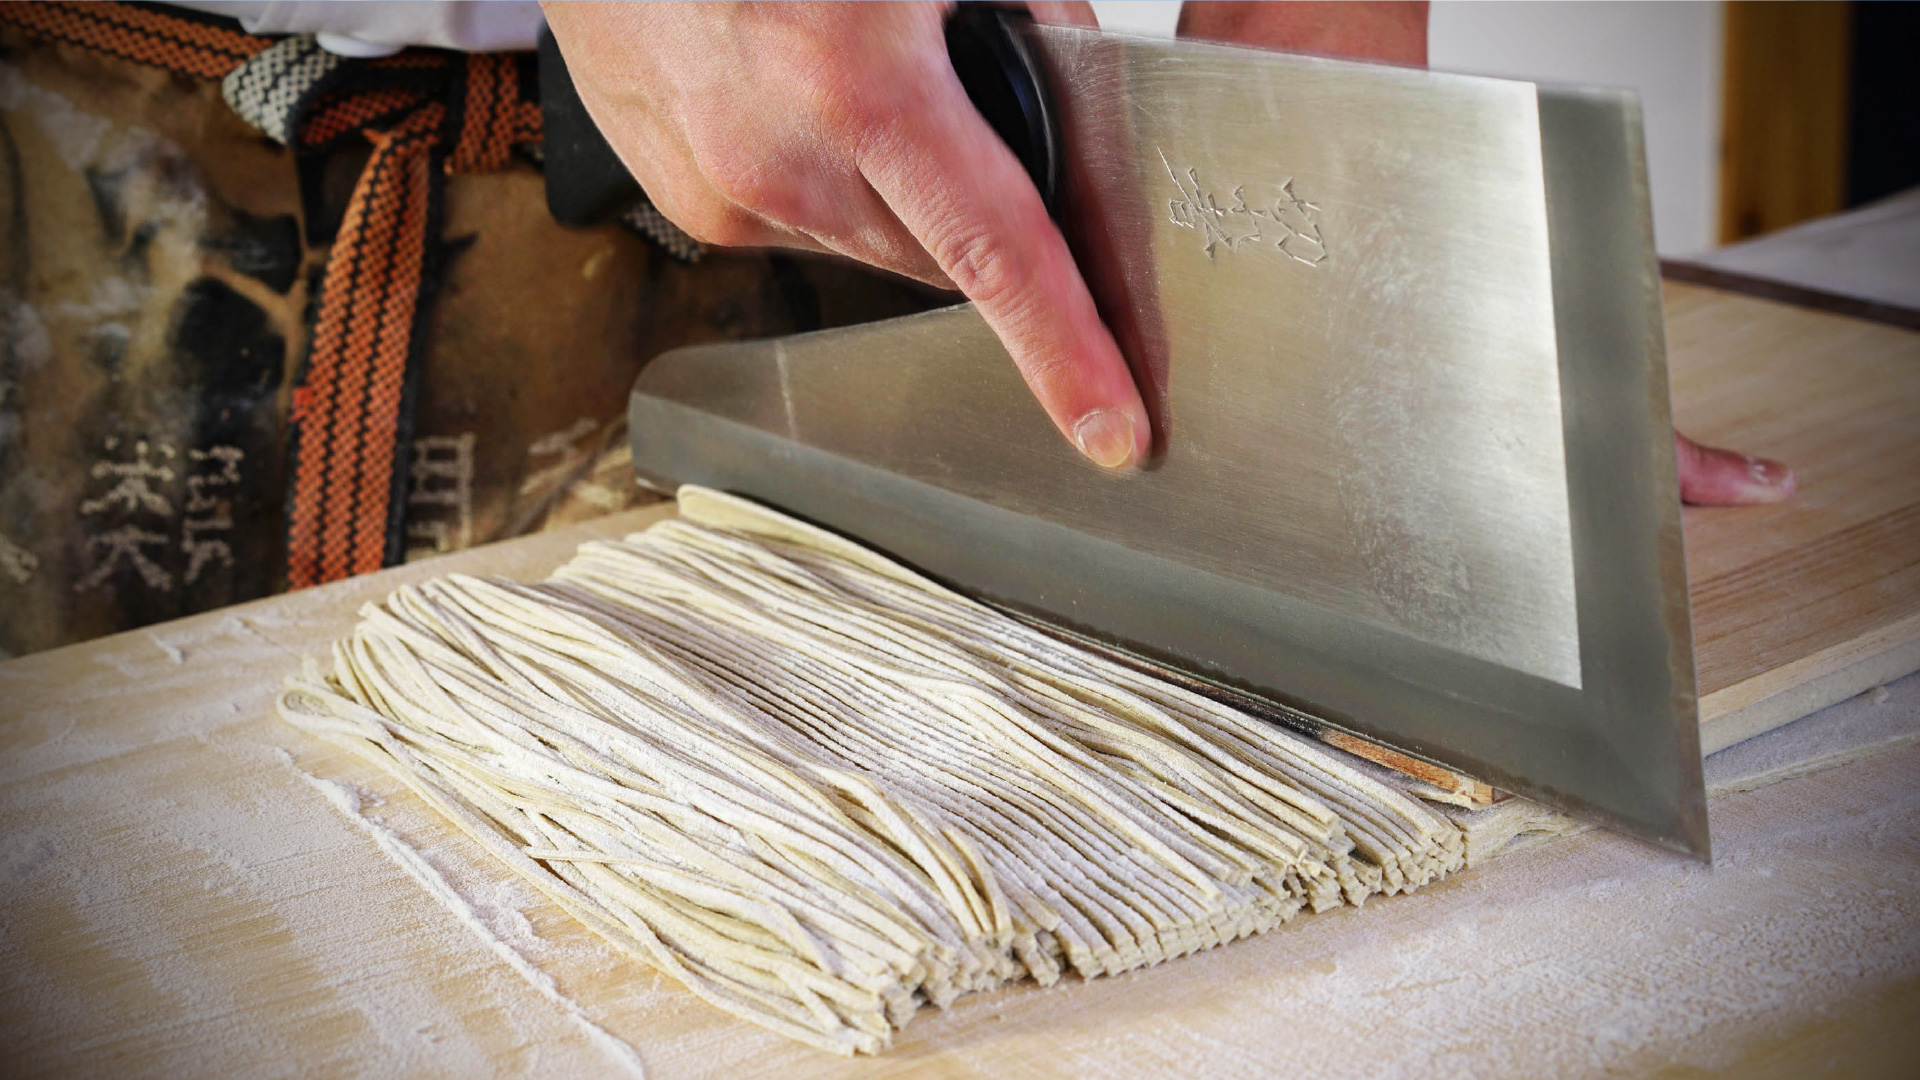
168,648
226,926
348,801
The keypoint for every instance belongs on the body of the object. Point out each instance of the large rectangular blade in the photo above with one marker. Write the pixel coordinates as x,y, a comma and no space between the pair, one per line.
1401,336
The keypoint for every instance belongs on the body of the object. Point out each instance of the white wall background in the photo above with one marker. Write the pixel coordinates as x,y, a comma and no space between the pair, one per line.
1668,52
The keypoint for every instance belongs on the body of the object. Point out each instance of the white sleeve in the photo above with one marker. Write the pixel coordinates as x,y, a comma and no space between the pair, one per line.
374,29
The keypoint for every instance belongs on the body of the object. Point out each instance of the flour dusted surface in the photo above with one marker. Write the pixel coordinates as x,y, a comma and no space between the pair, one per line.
305,949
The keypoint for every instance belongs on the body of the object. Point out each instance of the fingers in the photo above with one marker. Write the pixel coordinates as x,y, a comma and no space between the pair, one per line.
843,214
965,197
1713,477
846,130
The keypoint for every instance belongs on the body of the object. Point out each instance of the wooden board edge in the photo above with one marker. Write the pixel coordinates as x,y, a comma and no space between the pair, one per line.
1782,292
1779,697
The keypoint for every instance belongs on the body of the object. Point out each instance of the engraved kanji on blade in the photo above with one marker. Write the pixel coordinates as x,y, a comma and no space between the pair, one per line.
1278,218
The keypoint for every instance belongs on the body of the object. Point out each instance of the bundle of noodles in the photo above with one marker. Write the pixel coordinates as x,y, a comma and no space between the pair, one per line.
821,790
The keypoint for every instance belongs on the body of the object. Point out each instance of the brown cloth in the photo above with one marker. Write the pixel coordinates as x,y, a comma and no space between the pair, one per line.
159,284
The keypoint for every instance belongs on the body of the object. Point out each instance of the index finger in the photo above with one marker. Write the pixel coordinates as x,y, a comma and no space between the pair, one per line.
965,197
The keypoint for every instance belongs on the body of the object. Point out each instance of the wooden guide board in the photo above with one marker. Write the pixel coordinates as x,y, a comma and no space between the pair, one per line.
178,896
1799,605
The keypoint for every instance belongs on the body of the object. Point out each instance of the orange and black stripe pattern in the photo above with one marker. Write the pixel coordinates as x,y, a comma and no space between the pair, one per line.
424,113
347,409
338,116
494,115
179,42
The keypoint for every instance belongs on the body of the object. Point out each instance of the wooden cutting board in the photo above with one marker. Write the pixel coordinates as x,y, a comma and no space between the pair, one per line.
180,893
1803,604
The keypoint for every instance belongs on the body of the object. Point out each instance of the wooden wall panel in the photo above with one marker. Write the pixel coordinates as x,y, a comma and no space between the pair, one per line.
1783,137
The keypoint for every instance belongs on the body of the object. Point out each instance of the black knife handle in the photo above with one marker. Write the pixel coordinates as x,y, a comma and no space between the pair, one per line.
587,184
1002,77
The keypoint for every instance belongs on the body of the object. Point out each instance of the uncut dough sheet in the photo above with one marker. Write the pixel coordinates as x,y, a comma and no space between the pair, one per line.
823,792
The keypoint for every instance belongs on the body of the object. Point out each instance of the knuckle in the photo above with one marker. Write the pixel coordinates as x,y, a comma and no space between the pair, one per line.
977,262
825,93
1046,370
841,96
854,116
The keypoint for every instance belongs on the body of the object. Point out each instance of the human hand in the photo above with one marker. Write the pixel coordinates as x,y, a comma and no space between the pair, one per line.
842,127
1713,477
